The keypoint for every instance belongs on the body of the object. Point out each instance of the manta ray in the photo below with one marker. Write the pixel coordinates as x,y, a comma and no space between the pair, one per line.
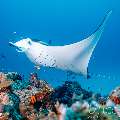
73,57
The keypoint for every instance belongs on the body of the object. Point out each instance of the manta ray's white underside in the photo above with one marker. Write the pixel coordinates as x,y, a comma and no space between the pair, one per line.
74,57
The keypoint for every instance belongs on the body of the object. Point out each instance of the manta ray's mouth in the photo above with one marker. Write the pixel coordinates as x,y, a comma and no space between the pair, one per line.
18,49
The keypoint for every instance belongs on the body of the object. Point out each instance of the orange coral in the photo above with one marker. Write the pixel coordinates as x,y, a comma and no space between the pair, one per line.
33,99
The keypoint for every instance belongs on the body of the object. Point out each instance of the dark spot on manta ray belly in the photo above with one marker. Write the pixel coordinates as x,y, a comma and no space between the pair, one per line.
46,60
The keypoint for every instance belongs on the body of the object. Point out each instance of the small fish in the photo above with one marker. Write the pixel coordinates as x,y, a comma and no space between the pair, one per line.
2,56
50,42
33,99
14,32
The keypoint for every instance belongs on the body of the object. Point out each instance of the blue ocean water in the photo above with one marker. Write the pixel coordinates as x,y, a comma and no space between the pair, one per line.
63,22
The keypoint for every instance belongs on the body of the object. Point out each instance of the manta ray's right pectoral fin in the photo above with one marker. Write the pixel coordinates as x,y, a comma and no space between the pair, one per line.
87,46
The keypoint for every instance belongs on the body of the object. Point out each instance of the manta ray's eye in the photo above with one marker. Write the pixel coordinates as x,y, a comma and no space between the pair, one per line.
29,42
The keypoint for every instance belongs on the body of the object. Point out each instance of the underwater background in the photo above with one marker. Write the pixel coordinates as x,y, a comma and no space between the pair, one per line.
63,22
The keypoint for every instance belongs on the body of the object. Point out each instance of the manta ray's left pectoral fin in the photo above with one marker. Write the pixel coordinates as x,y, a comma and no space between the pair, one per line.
88,45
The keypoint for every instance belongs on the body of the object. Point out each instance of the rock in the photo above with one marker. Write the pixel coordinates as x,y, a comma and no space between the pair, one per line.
64,94
13,76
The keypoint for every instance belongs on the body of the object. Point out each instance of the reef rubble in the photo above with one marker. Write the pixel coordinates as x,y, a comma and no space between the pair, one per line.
35,99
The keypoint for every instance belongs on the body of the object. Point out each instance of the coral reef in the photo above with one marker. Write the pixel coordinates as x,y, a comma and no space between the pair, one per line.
35,99
64,94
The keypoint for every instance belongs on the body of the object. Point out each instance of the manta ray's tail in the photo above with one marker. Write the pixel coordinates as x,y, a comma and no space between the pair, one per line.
87,47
